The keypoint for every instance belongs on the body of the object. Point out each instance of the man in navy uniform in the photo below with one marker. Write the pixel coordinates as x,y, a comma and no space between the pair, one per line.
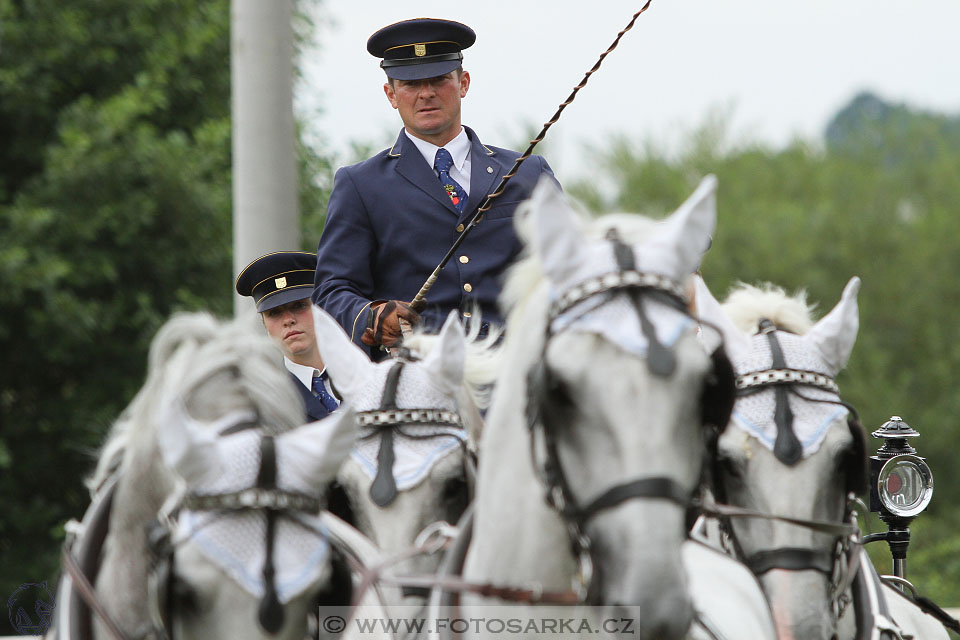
392,218
280,284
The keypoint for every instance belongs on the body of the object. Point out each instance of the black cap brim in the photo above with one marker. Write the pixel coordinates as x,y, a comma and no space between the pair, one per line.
284,296
423,70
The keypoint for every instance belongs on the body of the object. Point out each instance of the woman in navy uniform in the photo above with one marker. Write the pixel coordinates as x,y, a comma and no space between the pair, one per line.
392,218
280,284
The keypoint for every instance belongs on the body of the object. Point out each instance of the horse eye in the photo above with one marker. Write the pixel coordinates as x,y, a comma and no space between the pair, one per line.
730,467
560,394
455,498
338,503
184,597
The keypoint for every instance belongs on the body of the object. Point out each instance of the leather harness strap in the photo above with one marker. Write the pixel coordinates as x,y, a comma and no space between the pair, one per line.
787,447
82,586
791,559
661,362
653,487
383,490
270,612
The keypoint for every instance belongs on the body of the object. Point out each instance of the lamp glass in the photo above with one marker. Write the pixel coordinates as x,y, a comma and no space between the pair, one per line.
905,485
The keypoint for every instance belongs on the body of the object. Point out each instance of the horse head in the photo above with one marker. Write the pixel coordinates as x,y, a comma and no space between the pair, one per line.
204,378
792,447
248,555
412,463
602,366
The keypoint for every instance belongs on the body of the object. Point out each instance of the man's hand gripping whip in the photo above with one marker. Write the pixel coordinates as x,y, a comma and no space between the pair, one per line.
420,301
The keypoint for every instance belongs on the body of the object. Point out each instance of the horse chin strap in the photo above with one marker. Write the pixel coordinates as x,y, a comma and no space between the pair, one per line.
661,362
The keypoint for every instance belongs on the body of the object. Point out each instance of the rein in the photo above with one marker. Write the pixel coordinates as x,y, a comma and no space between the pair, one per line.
419,302
435,538
86,591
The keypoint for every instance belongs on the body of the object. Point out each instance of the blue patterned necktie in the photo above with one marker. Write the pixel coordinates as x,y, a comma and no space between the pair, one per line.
442,164
320,390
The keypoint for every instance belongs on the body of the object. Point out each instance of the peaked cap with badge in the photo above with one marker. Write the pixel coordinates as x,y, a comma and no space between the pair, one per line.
278,278
421,48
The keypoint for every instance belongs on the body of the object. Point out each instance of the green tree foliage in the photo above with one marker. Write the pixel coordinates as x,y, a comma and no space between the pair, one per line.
877,200
115,205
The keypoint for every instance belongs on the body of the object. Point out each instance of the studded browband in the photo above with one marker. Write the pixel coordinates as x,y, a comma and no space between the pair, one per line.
432,417
786,376
613,281
253,498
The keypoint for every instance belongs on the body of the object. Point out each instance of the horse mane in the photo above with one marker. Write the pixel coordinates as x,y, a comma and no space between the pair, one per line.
746,305
187,350
482,362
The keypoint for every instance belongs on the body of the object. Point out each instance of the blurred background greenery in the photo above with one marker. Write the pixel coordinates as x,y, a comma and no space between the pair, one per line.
115,204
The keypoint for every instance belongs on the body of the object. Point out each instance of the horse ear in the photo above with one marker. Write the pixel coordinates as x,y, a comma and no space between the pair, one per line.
446,359
314,452
191,330
735,342
677,249
556,233
348,365
834,335
193,453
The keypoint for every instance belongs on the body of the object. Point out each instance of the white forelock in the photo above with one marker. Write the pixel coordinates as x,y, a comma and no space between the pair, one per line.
746,305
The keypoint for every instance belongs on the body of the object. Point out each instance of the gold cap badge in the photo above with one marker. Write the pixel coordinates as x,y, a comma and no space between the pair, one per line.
280,282
419,50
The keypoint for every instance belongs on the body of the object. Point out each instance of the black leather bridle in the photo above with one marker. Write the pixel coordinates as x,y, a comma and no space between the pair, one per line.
82,569
264,496
661,361
840,563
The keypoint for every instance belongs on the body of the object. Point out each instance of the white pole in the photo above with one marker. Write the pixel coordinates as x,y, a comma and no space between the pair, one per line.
265,212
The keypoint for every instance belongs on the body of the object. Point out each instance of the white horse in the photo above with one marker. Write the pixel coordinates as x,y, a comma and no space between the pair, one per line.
805,464
597,408
418,414
238,549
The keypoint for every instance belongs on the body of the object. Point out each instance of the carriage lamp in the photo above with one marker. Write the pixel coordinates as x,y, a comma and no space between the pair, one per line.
901,486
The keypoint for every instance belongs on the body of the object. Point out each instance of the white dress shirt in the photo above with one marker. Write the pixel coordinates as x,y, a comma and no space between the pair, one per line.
459,149
306,375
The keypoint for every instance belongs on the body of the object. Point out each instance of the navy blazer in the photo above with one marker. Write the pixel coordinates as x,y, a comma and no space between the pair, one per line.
315,408
390,222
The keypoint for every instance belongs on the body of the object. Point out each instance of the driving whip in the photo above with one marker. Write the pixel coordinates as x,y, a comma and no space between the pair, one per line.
420,301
